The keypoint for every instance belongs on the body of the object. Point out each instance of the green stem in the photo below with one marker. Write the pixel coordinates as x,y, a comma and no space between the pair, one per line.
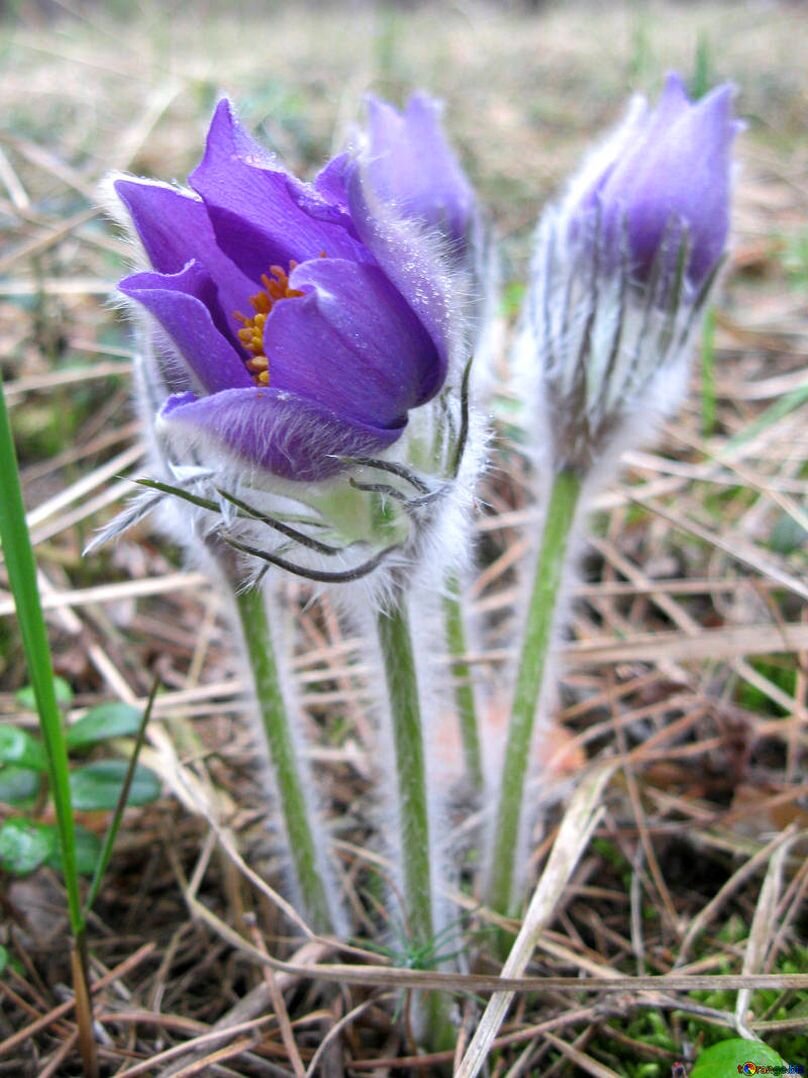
413,806
535,645
295,808
21,566
464,690
405,710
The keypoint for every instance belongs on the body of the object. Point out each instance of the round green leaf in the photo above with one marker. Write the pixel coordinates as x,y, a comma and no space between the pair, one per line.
24,845
19,747
98,785
730,1057
114,719
88,850
26,697
18,785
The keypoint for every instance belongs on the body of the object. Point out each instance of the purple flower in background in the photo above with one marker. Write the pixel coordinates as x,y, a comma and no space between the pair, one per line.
412,166
664,178
621,275
308,326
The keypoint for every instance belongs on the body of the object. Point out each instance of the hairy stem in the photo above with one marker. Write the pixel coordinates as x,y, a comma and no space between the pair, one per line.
464,690
529,681
290,776
413,803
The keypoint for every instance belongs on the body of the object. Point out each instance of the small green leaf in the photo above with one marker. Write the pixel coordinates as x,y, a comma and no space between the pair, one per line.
729,1057
18,785
3,959
19,747
24,845
88,850
114,719
64,695
98,785
787,535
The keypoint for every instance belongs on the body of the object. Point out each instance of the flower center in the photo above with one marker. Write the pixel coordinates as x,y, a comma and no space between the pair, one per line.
276,287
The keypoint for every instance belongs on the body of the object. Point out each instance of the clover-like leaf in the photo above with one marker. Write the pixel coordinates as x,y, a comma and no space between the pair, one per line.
19,747
18,785
113,719
25,845
98,785
26,697
731,1056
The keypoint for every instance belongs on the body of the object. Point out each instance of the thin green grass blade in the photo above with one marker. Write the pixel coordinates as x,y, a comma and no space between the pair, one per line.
115,823
19,558
708,374
789,402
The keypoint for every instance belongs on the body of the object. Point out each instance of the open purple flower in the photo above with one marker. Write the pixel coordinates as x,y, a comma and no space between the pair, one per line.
307,325
664,179
411,165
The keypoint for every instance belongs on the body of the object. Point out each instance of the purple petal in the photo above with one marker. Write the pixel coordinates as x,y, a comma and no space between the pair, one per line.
676,176
330,180
412,165
174,228
351,343
181,303
276,431
408,260
260,214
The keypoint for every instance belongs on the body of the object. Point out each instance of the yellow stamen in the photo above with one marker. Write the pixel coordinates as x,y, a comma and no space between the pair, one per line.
251,335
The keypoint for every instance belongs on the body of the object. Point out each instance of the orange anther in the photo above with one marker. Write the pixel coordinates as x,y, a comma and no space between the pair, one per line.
251,335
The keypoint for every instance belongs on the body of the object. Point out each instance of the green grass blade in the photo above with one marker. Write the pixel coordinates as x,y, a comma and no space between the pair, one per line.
19,558
789,402
115,823
708,374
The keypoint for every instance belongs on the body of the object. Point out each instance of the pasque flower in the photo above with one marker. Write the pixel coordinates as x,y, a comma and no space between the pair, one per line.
622,270
662,178
412,166
306,323
621,273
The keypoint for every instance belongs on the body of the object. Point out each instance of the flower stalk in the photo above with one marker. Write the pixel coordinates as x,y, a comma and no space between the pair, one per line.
544,598
408,741
463,687
415,838
289,773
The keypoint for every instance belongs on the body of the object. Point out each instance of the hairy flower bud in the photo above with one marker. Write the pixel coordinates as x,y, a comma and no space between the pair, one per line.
621,273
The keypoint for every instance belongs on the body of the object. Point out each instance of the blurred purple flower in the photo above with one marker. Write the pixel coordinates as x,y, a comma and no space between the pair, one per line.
621,275
663,179
307,322
411,165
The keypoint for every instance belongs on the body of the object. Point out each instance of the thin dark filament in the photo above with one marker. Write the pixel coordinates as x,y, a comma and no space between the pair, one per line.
390,466
669,329
398,495
462,438
700,303
279,526
178,492
623,278
317,575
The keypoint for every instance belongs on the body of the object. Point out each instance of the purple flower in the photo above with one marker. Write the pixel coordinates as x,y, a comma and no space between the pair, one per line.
307,322
412,166
664,179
